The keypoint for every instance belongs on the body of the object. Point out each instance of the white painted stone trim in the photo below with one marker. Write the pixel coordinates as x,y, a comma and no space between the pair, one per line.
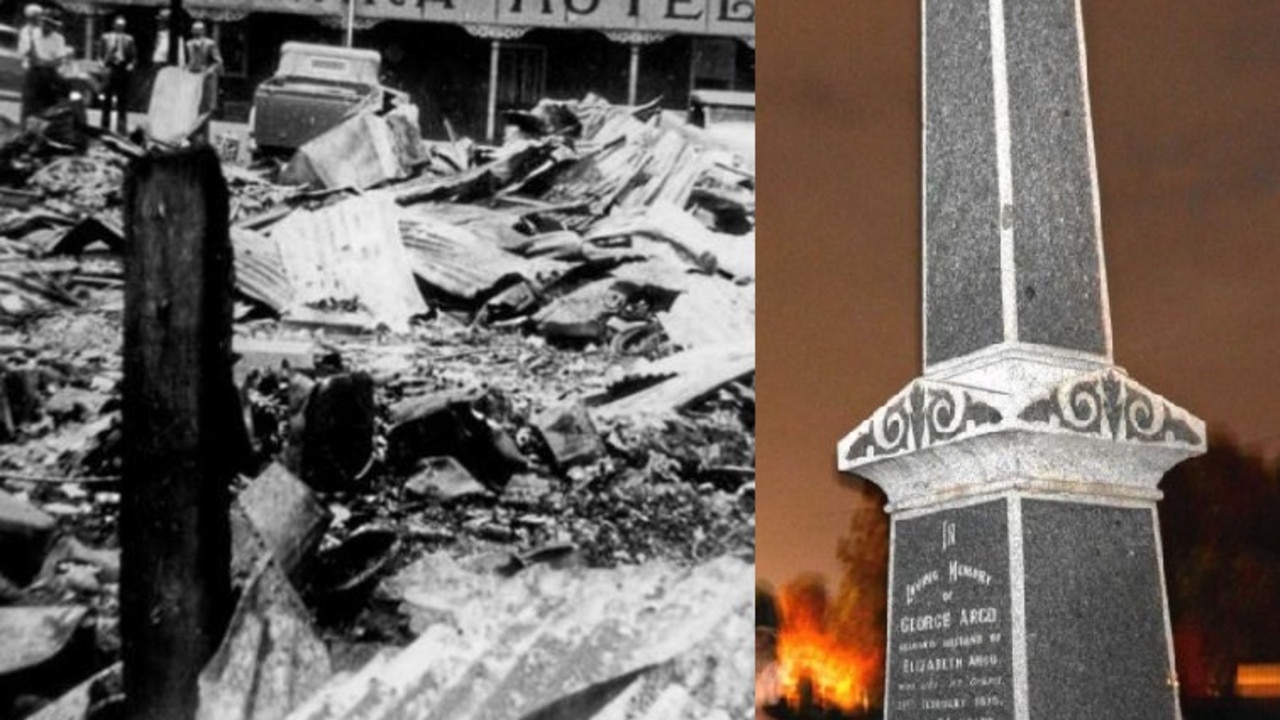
888,704
1103,293
991,366
924,182
943,504
936,439
1168,621
1004,171
1057,491
1017,609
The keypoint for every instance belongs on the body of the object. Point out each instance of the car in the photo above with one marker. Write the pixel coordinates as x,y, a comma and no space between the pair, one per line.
315,87
728,116
711,108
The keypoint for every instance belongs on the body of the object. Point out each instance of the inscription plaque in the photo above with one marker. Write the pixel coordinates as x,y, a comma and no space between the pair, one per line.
949,634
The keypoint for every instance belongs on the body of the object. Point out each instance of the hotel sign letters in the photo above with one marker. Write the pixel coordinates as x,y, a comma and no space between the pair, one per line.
735,18
693,17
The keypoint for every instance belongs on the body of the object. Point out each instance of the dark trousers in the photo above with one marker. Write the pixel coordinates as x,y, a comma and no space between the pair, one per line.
116,95
41,90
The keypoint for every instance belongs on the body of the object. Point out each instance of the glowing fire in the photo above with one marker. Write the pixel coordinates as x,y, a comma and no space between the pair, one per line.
828,651
838,676
807,649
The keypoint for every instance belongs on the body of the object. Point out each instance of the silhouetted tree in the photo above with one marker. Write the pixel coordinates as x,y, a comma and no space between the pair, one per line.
1220,528
860,602
766,608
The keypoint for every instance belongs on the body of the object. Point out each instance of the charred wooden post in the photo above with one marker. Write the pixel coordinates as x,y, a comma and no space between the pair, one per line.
180,429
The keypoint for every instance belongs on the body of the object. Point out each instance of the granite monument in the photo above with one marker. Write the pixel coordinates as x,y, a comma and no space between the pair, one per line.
1021,468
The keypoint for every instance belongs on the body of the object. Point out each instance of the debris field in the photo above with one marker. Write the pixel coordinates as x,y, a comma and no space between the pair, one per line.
498,410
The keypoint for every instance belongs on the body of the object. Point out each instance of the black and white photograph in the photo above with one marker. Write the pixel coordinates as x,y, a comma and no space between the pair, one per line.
377,359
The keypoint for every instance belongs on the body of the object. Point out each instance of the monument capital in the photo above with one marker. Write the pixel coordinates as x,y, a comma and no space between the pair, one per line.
1097,432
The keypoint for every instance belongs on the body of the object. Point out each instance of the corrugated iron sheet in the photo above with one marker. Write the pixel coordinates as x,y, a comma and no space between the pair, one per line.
462,263
672,166
711,312
731,254
560,643
633,164
351,251
260,270
688,376
496,226
707,311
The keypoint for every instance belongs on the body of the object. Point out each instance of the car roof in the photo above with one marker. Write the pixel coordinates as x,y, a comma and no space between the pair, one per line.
734,98
331,51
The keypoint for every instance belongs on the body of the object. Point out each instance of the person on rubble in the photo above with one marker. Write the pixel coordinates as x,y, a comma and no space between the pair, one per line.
43,50
119,55
26,40
203,57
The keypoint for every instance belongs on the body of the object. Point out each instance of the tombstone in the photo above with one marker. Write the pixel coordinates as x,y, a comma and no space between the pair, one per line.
1022,467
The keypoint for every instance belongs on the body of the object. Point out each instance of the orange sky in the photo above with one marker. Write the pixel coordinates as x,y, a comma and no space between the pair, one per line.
1186,110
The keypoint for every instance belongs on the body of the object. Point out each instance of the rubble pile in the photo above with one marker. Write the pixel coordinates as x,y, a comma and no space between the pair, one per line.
530,363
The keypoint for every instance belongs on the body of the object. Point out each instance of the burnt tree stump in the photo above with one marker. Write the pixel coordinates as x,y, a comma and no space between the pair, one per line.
180,429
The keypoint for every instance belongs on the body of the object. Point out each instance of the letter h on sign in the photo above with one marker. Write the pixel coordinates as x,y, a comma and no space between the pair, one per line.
517,6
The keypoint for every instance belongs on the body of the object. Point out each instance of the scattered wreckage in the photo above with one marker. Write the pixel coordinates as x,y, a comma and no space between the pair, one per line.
483,389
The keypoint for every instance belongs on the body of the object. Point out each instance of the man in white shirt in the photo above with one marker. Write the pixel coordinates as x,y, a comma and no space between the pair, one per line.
26,41
160,56
43,50
31,24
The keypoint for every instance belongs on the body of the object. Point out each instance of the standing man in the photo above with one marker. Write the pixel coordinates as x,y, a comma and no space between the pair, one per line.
203,58
43,50
26,42
165,37
120,55
202,51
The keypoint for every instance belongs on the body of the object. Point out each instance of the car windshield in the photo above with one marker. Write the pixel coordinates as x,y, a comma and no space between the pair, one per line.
8,39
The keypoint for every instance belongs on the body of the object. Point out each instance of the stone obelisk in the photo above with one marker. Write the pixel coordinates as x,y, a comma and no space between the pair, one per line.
1021,468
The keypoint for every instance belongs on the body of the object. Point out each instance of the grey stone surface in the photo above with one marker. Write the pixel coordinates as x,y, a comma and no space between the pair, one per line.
964,668
1096,643
1055,237
1054,268
962,234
